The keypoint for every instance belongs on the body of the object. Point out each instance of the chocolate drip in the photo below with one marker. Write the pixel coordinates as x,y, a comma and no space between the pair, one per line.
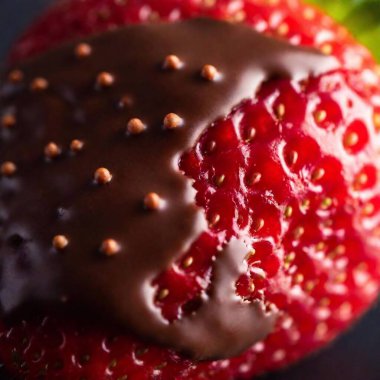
224,326
58,192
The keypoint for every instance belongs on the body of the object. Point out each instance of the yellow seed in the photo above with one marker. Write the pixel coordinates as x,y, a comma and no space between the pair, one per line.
291,256
52,150
368,209
110,247
214,220
210,146
309,14
219,180
298,232
340,249
258,224
326,203
240,16
250,254
292,157
60,242
288,259
283,29
298,278
254,178
208,3
102,176
210,73
250,135
105,79
16,76
172,62
288,211
318,174
376,121
8,168
309,286
8,120
360,181
76,145
320,246
39,84
326,49
188,262
280,111
135,126
305,204
153,202
237,16
83,50
351,139
341,277
163,294
172,121
320,116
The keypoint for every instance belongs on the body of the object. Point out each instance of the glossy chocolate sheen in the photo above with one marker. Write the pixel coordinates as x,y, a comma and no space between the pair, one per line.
58,196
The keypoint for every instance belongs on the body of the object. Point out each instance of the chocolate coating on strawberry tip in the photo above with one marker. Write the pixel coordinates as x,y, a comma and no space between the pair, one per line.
105,203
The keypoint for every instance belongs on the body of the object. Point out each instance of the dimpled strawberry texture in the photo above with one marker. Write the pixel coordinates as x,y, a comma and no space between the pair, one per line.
293,171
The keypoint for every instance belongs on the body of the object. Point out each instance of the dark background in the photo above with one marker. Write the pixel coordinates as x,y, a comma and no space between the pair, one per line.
355,356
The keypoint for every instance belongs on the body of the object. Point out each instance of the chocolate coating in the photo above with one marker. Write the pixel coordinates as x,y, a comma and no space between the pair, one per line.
60,197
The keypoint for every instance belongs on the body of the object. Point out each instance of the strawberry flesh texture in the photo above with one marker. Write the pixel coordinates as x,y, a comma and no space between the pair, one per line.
278,171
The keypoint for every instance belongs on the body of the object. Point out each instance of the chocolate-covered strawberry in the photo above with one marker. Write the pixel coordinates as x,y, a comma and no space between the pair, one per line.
185,200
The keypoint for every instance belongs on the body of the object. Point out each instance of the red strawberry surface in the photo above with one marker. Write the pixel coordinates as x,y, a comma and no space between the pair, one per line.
295,169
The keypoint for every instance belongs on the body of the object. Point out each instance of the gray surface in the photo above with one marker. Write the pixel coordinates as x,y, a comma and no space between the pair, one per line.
14,15
356,356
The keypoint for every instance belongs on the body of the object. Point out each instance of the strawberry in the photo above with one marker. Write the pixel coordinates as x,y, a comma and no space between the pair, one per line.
295,168
290,19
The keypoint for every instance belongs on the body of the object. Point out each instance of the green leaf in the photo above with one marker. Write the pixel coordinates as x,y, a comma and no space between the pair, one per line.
362,17
337,9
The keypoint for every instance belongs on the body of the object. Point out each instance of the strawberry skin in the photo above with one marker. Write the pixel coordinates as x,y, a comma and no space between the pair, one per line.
296,166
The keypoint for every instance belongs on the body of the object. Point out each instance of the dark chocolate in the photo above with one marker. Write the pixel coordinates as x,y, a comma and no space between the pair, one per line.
75,226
